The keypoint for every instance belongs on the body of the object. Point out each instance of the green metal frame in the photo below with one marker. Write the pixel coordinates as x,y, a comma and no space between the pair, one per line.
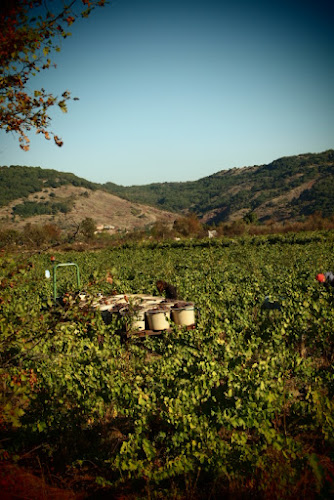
65,264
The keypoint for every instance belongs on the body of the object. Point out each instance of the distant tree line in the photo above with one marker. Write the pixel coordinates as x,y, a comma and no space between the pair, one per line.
41,236
49,235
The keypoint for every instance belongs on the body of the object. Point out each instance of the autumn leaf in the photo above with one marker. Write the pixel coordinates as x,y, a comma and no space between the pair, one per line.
58,141
26,47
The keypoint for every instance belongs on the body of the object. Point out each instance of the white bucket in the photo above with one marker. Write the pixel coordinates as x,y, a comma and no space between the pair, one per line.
184,315
135,319
158,319
138,325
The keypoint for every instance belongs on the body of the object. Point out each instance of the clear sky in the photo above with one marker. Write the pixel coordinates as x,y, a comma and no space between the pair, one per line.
177,90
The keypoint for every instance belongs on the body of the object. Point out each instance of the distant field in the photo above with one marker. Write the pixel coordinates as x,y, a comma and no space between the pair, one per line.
242,405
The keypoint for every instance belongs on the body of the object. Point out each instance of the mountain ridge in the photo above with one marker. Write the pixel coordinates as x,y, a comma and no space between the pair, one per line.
288,188
235,192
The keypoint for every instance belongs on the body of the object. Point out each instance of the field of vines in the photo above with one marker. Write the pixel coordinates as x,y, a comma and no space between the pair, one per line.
239,407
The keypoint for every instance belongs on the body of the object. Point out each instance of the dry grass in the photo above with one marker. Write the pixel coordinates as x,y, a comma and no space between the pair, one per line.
101,206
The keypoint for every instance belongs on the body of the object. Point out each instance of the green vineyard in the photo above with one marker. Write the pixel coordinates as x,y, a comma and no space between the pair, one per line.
241,406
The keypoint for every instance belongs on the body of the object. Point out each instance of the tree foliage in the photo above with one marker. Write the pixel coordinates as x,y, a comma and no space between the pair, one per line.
188,226
33,208
87,228
30,32
18,182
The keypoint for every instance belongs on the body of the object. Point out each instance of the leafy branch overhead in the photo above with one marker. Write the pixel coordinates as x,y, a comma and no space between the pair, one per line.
30,32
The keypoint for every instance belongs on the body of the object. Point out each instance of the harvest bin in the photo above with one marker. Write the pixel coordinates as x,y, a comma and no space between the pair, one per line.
158,319
144,313
184,315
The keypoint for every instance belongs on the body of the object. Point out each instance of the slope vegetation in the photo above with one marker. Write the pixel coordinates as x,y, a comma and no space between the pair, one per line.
287,188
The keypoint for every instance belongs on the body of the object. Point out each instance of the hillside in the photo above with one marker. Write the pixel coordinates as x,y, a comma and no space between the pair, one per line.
29,194
19,182
287,188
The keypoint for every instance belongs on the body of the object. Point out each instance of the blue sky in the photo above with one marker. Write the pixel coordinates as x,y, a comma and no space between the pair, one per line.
177,90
